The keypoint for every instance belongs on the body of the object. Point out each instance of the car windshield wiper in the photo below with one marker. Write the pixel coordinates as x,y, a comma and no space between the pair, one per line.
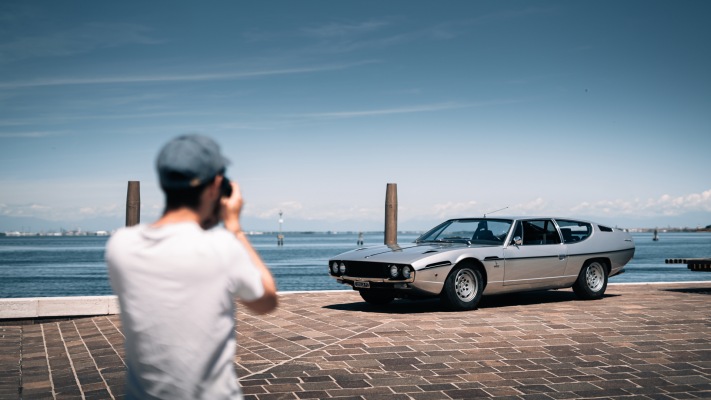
453,240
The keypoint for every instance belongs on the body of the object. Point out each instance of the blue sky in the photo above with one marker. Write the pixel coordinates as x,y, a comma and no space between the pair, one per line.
597,110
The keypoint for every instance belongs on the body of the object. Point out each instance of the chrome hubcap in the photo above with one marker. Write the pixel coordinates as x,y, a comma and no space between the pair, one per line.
465,285
595,276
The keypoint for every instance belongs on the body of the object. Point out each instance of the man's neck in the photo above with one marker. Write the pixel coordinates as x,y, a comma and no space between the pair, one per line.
177,216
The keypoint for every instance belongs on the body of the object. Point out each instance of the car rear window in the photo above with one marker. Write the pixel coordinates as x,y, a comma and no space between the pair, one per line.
574,231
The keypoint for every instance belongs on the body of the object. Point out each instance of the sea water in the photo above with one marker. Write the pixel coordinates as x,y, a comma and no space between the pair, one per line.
43,266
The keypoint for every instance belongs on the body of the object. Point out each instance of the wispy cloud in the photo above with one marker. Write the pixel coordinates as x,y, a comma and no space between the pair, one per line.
343,37
403,110
350,36
347,44
81,39
325,33
665,205
59,213
455,209
535,206
220,76
296,210
336,29
109,209
288,207
470,208
408,92
31,134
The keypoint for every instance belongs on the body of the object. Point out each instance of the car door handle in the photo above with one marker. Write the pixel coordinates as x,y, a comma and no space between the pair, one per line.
562,256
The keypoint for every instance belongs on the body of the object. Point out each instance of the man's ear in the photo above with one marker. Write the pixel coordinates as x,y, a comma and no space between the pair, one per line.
218,181
213,188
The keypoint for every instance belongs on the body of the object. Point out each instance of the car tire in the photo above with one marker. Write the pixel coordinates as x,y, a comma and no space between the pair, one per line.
463,288
376,298
592,281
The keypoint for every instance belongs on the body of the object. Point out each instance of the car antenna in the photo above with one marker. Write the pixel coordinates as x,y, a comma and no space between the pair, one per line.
491,212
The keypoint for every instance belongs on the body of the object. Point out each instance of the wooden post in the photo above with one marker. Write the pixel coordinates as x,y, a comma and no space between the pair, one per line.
391,214
133,203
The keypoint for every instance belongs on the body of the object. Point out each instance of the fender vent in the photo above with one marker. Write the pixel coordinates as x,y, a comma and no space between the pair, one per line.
436,265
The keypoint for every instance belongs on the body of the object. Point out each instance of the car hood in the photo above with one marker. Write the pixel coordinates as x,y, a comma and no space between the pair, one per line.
400,253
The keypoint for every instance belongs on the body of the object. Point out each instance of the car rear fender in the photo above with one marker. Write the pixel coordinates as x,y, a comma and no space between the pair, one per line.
604,260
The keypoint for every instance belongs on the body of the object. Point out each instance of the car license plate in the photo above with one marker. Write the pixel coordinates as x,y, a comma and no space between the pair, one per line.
361,284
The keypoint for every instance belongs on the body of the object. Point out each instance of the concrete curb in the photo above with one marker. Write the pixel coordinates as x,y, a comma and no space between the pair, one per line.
40,307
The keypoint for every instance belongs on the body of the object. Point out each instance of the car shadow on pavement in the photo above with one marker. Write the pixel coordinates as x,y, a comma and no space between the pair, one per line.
406,306
529,298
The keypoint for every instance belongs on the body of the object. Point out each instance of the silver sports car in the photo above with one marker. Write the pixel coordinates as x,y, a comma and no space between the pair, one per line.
461,259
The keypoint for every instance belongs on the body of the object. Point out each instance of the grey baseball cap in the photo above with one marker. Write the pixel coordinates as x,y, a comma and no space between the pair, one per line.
189,161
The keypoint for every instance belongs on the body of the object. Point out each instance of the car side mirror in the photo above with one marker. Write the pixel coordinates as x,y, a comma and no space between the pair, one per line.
517,240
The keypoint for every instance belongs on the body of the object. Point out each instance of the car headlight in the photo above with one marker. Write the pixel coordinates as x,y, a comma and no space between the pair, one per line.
334,267
406,272
394,271
342,268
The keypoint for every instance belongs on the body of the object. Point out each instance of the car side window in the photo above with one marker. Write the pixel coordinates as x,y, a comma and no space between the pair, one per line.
574,231
540,231
518,232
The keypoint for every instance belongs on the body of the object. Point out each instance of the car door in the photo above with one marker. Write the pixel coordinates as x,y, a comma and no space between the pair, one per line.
540,258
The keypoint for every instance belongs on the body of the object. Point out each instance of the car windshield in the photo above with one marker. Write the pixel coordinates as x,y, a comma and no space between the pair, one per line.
470,231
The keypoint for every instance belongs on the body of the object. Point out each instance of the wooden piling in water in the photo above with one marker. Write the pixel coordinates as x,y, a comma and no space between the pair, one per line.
700,265
133,203
694,264
391,214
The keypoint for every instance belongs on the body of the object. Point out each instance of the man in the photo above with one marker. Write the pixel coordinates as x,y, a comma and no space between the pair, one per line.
177,279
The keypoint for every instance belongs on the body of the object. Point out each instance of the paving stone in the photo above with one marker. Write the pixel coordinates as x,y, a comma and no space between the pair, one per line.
429,396
314,394
466,393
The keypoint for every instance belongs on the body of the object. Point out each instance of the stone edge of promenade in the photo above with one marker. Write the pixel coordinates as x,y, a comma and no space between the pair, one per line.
42,307
80,306
70,306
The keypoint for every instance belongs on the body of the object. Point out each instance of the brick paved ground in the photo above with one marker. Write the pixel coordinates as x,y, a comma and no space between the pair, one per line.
641,341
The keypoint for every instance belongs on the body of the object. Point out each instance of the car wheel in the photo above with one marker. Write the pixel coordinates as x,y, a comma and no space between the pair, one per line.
463,288
592,281
376,298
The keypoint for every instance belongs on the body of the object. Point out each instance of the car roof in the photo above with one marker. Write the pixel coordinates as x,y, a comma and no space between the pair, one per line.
523,217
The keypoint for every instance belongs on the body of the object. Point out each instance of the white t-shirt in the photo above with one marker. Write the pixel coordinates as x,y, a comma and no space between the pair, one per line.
176,286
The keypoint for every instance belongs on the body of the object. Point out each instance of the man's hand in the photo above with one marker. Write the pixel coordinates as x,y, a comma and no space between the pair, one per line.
232,208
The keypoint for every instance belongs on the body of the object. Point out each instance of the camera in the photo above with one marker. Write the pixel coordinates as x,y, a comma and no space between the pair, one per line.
226,187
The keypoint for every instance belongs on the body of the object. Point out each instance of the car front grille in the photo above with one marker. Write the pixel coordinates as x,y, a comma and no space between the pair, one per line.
360,269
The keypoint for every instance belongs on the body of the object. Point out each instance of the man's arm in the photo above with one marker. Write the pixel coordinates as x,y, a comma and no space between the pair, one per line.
231,209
